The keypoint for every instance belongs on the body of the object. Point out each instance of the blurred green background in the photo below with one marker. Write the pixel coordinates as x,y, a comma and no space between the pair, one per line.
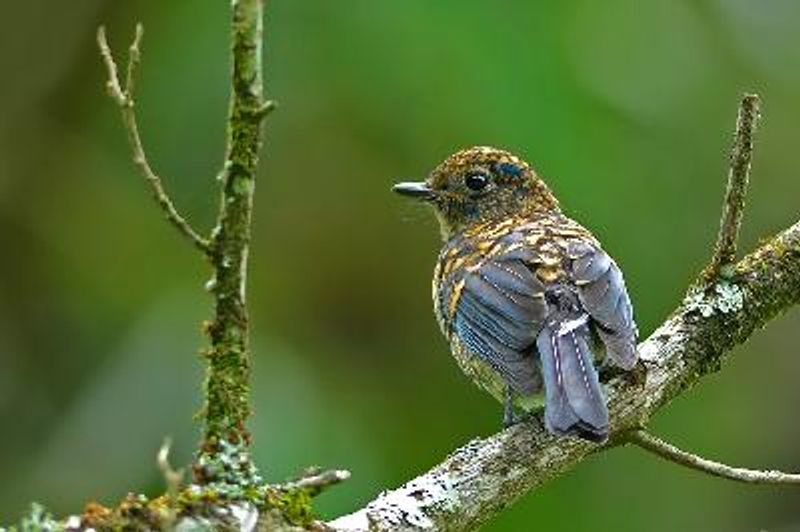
627,109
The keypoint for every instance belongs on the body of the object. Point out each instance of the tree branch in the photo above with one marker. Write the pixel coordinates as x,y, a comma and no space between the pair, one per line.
124,99
738,179
227,389
315,480
227,492
724,255
718,313
225,438
669,452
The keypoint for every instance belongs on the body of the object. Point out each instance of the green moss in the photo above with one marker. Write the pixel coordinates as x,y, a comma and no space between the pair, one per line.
196,507
294,504
227,381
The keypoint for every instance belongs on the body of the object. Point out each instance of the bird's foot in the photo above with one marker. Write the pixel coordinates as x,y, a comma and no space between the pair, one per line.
510,417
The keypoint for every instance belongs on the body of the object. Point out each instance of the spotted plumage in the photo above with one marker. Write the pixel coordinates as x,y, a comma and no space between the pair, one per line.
526,296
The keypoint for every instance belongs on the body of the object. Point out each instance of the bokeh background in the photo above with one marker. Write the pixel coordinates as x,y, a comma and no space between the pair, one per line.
626,107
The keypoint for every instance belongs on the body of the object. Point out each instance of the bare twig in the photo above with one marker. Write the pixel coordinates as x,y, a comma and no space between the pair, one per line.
651,443
315,480
172,477
124,99
738,178
266,108
112,85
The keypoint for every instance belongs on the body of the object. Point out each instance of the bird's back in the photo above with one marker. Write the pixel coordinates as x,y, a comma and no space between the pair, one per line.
542,244
507,291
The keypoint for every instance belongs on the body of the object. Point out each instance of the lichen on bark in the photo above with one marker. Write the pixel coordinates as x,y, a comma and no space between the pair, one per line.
227,393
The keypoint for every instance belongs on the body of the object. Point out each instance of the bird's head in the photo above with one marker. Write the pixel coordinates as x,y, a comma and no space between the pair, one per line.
481,184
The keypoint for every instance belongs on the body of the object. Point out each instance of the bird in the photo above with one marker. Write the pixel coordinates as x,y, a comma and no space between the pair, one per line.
526,296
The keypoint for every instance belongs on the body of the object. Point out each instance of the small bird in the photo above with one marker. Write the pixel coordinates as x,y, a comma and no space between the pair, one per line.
525,295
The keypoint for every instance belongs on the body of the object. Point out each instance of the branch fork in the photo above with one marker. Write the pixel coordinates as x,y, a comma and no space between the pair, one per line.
123,97
227,385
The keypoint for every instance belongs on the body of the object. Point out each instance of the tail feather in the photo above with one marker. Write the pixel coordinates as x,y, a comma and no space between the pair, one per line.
574,401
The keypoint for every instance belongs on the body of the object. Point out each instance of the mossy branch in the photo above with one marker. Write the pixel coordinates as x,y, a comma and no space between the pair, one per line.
227,394
227,402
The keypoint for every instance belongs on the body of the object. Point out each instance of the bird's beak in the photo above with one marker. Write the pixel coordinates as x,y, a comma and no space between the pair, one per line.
418,190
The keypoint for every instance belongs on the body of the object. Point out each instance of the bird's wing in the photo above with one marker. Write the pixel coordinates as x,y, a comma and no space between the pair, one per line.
602,292
499,312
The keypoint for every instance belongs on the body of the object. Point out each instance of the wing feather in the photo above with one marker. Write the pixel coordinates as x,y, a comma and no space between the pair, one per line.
499,313
602,292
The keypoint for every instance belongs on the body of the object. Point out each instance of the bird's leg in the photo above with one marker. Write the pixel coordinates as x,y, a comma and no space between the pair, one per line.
509,417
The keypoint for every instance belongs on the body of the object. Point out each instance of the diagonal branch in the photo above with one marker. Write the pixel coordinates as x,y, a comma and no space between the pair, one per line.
123,96
719,313
738,179
652,444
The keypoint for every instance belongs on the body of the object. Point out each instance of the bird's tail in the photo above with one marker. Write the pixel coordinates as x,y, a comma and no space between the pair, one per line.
574,401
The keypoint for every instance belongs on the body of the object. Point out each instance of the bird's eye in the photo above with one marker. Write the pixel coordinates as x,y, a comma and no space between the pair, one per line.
476,181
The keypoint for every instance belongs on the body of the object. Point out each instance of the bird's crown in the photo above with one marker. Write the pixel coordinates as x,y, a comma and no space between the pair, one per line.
481,184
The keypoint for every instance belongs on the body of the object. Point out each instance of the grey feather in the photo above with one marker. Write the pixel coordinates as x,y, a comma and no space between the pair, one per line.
574,400
590,266
512,275
602,292
497,317
517,368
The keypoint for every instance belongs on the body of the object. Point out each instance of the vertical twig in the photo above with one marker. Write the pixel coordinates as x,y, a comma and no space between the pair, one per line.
738,179
227,382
